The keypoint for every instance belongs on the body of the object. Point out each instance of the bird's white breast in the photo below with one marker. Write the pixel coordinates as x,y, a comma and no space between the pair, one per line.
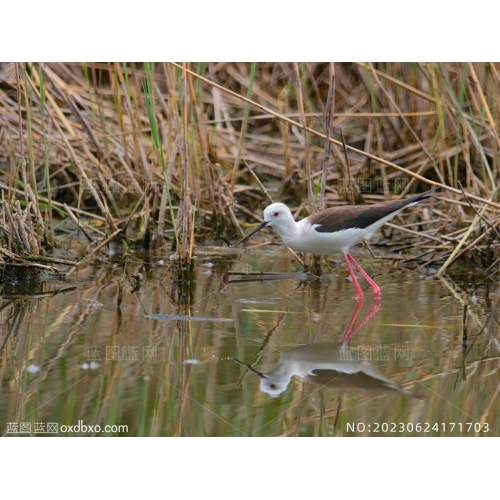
307,239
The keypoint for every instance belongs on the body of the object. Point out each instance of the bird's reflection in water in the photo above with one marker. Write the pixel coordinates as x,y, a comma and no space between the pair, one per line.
329,365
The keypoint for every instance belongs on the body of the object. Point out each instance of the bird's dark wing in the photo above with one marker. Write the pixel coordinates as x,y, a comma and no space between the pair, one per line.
359,216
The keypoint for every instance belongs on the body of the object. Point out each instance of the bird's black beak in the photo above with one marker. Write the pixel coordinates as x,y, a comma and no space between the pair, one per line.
253,370
258,228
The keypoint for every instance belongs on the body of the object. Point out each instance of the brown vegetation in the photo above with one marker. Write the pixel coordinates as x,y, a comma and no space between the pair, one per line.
177,154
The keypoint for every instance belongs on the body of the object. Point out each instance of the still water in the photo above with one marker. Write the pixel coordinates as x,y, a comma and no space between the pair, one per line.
237,354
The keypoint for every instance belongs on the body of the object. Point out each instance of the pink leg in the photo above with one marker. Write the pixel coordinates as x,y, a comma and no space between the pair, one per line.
376,288
359,293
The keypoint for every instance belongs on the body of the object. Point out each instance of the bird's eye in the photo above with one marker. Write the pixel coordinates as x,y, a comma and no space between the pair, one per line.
276,214
273,386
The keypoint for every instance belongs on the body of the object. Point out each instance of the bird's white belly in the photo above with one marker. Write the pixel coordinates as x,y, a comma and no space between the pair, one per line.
311,241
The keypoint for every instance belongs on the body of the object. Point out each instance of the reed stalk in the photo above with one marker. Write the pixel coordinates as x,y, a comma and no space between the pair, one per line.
153,152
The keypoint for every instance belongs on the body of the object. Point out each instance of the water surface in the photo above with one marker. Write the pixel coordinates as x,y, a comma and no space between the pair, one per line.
158,358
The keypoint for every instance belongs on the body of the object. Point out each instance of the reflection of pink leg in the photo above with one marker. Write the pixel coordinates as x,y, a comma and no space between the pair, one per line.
359,293
350,329
376,289
349,333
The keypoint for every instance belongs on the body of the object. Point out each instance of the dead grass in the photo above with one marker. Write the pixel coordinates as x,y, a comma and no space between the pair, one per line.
167,154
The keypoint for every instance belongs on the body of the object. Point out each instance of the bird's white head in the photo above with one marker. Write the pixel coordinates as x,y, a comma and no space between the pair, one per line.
277,215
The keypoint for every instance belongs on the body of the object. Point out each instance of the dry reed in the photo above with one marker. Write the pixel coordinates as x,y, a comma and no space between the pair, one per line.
182,154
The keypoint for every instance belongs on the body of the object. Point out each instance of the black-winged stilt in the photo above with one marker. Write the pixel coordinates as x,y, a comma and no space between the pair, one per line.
334,230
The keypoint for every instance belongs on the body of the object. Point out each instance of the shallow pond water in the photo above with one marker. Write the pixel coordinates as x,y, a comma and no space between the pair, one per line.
240,354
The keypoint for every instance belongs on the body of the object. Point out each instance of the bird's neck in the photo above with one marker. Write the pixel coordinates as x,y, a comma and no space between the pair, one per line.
289,230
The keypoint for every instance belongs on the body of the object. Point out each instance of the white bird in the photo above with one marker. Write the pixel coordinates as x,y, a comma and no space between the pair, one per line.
334,230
